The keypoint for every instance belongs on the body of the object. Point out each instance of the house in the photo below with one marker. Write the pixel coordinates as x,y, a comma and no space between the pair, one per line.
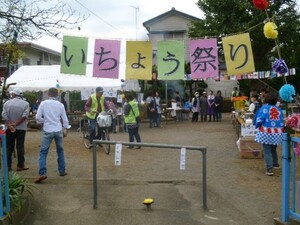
174,25
32,54
171,25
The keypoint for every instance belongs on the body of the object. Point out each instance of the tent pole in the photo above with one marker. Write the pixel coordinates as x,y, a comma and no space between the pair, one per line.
166,93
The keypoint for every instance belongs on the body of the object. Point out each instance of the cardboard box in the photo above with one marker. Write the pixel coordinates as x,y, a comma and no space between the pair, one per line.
250,149
248,130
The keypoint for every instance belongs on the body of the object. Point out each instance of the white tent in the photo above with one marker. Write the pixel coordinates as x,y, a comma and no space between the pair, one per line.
41,78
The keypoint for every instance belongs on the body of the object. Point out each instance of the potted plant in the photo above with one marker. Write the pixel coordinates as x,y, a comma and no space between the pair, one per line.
19,191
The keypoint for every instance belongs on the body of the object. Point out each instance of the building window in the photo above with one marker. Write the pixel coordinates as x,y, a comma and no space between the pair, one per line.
168,36
46,57
178,36
174,35
26,61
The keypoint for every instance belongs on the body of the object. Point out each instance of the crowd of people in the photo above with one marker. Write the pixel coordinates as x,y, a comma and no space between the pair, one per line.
208,106
52,114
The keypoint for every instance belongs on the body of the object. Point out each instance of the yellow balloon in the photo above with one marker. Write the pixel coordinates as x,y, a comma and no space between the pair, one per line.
270,30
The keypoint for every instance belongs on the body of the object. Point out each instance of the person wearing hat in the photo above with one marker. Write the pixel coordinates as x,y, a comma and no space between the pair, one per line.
15,113
195,107
94,106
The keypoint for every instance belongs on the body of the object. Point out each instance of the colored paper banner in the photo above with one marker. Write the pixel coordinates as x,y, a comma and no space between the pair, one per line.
138,60
238,54
170,60
74,55
106,58
204,58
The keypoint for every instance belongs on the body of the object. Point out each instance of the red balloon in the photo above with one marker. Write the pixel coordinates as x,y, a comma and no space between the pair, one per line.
261,4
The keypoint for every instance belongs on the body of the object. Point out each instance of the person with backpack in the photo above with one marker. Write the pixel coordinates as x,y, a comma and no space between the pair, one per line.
151,110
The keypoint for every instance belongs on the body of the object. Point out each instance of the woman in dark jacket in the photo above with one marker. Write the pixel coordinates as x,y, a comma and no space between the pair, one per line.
218,106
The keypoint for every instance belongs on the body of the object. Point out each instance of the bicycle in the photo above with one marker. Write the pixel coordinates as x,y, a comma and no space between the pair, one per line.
86,136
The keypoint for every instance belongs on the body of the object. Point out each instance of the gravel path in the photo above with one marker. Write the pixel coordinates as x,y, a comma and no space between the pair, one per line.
238,190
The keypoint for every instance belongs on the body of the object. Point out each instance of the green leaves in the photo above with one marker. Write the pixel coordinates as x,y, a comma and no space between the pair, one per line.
18,188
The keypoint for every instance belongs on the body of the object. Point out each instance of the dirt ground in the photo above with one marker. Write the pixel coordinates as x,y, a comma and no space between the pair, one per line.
238,189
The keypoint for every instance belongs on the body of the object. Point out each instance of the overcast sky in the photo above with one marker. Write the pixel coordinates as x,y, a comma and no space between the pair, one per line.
119,19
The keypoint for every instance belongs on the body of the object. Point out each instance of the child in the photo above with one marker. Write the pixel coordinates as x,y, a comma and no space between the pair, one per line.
254,106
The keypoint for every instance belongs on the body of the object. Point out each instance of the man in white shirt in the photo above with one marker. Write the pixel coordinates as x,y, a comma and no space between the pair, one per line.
51,113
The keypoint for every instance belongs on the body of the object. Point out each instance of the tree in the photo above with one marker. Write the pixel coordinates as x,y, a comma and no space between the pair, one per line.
228,17
29,20
32,19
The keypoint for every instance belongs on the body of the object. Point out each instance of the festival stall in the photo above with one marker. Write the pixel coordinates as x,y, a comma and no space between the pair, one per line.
41,78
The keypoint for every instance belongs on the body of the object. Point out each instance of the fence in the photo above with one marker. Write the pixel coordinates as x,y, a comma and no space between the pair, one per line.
289,178
4,188
197,148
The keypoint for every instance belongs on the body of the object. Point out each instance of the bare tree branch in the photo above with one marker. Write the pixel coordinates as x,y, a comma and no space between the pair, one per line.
31,19
34,19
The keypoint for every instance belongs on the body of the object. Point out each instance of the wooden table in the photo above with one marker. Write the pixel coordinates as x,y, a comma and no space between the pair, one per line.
167,114
77,117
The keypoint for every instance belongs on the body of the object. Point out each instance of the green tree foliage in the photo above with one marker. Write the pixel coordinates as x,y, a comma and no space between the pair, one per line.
229,17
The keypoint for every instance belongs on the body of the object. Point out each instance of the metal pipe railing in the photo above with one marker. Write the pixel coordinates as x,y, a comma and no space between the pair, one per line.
155,145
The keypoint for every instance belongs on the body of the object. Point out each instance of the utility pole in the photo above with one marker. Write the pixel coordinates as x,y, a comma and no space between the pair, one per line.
136,8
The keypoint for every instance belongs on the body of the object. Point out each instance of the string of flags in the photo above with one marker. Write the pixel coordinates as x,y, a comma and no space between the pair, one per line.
254,75
260,75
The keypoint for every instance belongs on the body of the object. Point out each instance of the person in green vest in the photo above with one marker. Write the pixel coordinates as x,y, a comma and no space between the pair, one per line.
234,93
95,105
131,113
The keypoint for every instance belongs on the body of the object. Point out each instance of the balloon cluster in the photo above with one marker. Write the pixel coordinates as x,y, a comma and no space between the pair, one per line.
271,32
287,91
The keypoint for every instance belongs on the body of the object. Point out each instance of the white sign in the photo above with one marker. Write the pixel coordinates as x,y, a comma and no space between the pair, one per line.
118,154
119,99
182,158
248,130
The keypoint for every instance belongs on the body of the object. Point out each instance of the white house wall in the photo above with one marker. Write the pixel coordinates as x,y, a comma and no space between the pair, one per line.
225,86
35,56
172,23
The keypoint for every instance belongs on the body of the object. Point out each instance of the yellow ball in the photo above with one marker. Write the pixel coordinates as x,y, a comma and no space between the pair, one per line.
148,201
270,30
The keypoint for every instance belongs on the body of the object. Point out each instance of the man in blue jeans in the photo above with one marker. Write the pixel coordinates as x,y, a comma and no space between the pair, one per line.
93,106
269,121
51,113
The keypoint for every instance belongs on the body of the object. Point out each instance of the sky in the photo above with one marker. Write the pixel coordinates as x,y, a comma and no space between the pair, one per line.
118,19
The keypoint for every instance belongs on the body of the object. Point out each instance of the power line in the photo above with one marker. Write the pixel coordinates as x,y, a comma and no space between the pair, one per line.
104,21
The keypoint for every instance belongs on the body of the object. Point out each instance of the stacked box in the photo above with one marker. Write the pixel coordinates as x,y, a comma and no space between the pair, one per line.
250,149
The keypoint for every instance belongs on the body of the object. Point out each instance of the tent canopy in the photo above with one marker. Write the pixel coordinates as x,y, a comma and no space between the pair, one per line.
41,78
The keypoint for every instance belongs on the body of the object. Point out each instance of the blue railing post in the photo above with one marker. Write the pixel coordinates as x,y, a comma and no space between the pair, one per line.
4,170
285,178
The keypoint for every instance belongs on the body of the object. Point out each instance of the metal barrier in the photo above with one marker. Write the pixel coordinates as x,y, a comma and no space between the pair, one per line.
4,208
289,176
199,148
